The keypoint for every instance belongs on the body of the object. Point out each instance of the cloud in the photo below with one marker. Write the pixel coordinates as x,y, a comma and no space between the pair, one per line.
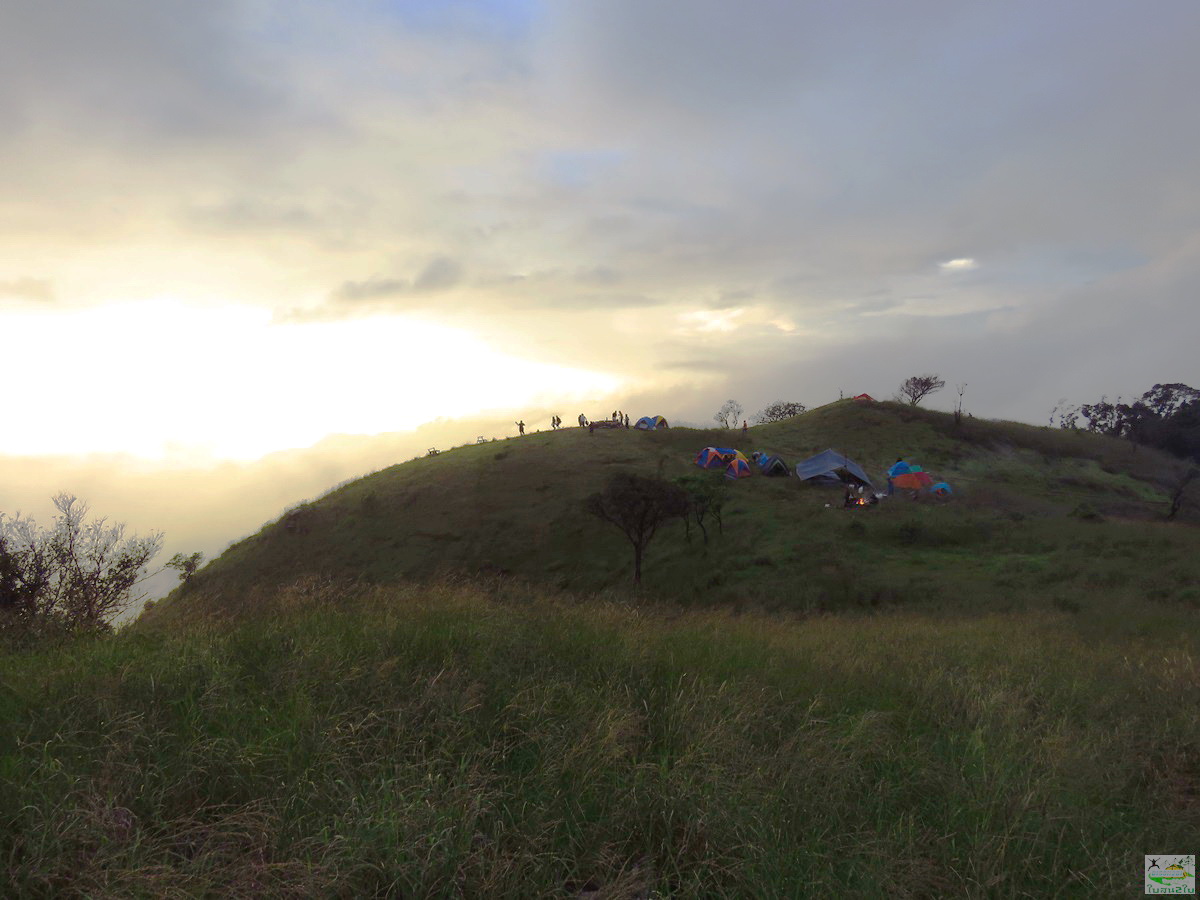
438,275
36,289
374,288
963,264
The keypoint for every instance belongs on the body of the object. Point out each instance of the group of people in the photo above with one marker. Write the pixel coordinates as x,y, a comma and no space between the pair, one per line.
618,417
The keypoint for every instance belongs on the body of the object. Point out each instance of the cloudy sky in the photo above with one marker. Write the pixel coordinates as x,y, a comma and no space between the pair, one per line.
249,248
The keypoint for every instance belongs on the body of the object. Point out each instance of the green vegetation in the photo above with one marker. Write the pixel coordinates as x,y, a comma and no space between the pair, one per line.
1081,502
436,681
452,741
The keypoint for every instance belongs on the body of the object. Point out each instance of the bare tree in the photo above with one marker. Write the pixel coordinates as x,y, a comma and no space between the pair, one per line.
727,416
638,506
918,387
1179,491
779,410
705,499
77,574
958,403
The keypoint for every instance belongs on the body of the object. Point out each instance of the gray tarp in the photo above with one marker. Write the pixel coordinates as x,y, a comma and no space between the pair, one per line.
831,467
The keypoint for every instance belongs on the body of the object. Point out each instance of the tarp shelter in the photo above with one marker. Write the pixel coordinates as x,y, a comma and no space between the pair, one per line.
738,468
651,423
832,467
912,481
773,465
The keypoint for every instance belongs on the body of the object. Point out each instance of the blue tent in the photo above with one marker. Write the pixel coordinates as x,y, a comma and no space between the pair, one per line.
899,467
832,467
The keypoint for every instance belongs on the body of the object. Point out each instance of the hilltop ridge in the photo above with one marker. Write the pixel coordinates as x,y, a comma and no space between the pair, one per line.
513,508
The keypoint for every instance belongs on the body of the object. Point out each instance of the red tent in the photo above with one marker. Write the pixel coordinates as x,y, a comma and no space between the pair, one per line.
865,398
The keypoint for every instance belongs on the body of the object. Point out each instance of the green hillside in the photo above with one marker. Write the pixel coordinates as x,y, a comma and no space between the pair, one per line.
1041,516
372,724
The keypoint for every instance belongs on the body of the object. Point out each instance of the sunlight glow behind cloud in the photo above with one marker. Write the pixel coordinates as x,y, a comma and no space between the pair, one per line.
162,379
964,264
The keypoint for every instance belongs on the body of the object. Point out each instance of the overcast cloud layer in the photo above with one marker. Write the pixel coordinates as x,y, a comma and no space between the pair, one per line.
699,199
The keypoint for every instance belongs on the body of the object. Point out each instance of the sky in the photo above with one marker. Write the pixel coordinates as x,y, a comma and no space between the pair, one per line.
251,248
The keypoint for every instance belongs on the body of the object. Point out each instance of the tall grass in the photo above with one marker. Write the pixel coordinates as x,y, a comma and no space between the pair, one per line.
446,741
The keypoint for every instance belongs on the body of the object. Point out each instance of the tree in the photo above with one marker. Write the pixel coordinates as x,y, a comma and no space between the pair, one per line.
1179,492
962,389
637,505
727,416
76,574
779,410
1167,417
187,565
918,387
705,498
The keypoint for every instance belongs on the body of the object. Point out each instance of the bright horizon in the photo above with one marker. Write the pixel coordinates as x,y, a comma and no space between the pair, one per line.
178,382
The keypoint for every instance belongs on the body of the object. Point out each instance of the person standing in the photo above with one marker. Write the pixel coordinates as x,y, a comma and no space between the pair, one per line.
745,428
627,420
521,426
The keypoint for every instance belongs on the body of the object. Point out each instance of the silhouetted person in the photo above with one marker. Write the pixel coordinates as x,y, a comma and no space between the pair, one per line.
591,427
521,427
745,428
626,420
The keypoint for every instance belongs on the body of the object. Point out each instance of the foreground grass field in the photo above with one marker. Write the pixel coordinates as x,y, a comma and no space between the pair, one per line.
486,742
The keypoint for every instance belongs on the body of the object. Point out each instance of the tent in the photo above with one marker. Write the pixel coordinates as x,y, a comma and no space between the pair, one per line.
773,465
942,491
717,457
832,467
651,423
900,467
737,468
865,398
912,481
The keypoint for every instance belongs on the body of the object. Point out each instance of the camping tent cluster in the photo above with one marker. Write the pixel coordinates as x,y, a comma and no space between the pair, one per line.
651,423
827,467
908,476
733,461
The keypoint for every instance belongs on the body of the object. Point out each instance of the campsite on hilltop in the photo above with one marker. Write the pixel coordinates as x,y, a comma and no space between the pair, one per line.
439,680
1031,507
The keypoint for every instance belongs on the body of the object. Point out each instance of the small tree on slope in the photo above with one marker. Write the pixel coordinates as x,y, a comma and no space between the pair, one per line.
638,506
918,387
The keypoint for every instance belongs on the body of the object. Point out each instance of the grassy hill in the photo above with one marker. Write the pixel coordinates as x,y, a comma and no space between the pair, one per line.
1041,516
993,702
